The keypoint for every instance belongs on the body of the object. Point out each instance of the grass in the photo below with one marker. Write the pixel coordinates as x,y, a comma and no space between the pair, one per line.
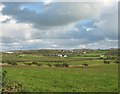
97,77
45,79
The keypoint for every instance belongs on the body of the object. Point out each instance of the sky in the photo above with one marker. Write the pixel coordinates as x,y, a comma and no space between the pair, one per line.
58,25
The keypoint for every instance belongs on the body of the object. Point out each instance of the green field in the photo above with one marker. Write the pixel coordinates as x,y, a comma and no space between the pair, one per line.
93,79
96,77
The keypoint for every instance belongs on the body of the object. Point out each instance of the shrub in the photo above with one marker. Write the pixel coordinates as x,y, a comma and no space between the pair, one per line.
106,62
8,62
27,63
11,86
58,65
65,65
85,65
50,65
116,61
38,64
4,74
3,61
11,63
34,62
62,65
14,63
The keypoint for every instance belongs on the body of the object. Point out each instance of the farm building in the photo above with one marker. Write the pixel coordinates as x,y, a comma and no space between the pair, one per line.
84,52
9,52
65,55
60,55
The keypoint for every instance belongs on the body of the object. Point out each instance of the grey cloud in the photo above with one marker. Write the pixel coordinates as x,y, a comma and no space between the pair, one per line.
54,14
53,30
7,40
104,44
108,24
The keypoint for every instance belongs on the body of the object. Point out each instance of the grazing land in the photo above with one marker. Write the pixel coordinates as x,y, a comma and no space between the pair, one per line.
80,70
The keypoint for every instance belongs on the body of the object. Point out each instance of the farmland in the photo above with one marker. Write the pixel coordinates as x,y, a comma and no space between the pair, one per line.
46,71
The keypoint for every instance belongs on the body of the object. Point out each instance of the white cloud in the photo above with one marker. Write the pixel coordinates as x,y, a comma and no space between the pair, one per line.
1,6
104,44
14,30
54,14
57,27
108,22
88,29
46,2
2,17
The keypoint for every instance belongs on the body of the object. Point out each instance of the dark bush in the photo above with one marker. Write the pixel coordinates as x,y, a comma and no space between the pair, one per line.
62,65
50,65
11,63
85,65
4,74
38,64
34,62
58,65
106,62
8,62
14,63
27,63
116,61
65,65
3,61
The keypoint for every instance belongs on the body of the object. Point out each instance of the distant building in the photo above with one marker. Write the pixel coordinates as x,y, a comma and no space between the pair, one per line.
9,52
65,55
84,52
60,55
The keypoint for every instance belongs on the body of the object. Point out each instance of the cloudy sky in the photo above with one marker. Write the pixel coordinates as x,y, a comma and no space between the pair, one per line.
58,25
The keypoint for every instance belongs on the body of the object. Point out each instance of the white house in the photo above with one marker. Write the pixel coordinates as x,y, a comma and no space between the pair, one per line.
84,52
65,55
60,55
9,52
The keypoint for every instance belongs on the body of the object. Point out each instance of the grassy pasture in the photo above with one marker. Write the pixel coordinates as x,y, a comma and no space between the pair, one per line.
92,79
97,77
28,58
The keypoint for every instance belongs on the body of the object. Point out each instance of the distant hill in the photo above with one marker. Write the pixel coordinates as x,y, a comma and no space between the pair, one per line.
52,52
